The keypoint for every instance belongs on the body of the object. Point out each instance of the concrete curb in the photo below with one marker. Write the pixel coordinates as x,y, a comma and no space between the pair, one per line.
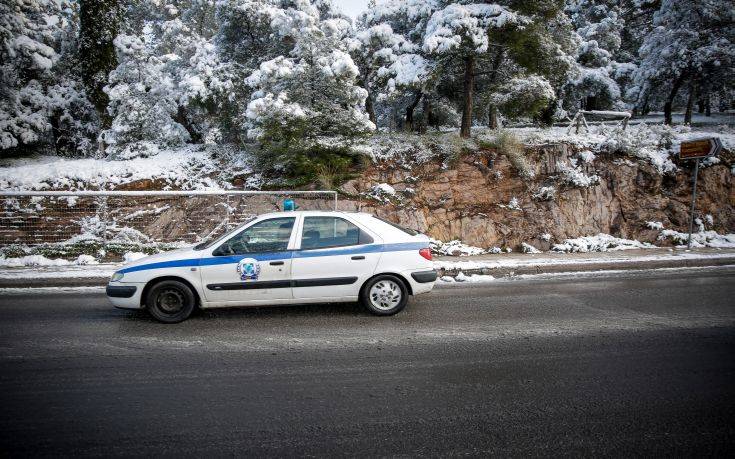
501,271
630,265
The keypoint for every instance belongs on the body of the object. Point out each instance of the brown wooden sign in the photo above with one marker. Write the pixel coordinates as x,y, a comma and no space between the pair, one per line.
700,148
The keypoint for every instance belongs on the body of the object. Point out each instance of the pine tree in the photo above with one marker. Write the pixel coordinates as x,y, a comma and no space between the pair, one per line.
691,46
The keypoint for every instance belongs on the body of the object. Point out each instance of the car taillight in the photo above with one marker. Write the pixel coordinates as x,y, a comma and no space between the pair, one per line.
426,253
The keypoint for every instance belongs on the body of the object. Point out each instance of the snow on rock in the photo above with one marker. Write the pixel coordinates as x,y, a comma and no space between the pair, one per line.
599,243
587,156
700,239
528,248
573,176
655,225
455,248
545,193
382,192
130,257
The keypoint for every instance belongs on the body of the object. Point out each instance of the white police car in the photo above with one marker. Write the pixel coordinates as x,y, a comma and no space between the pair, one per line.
283,258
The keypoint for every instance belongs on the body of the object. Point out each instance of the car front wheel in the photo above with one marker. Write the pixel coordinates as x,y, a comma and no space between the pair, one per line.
384,295
170,301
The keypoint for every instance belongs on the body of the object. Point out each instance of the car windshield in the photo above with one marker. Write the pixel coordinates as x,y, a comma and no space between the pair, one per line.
207,243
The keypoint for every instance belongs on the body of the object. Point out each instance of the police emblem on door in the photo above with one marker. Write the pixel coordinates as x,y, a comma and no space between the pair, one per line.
248,269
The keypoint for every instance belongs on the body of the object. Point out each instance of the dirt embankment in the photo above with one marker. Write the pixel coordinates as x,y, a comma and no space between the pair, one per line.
483,201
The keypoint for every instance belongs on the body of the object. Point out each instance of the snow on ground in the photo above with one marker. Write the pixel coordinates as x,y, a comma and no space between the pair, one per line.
470,279
655,143
58,272
599,243
700,239
40,260
187,168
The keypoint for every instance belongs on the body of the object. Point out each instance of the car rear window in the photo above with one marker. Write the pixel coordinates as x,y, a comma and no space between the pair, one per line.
323,232
397,226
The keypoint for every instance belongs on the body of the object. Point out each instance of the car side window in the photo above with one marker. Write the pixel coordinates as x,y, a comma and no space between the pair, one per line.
266,236
323,232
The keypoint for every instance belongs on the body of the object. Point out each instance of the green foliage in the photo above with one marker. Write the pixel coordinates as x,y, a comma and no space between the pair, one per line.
506,143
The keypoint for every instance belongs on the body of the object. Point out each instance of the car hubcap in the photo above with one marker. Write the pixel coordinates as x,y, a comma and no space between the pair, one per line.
170,301
385,295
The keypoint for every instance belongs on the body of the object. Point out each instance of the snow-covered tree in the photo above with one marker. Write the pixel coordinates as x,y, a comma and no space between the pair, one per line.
99,24
394,68
692,46
29,34
460,31
143,102
309,95
599,24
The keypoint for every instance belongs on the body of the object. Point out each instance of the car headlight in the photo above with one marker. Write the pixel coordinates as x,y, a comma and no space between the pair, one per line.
116,277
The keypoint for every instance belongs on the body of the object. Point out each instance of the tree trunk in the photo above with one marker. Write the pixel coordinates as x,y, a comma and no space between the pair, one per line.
409,112
469,80
700,105
670,100
707,107
493,117
370,109
428,116
690,103
644,109
99,23
492,110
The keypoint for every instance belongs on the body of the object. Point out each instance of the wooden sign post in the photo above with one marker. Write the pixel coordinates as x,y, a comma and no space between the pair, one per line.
697,149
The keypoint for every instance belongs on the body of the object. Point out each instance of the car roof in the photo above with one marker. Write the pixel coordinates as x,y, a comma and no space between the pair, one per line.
311,212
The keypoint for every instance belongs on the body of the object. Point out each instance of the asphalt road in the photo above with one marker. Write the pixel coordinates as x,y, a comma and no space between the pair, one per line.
639,364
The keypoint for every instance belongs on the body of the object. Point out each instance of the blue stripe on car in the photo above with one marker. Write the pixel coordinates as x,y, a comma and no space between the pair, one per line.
372,248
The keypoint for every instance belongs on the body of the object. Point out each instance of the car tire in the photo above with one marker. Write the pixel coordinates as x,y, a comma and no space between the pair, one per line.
384,295
170,301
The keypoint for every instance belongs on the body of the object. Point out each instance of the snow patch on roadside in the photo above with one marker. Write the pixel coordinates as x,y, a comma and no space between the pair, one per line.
600,243
700,239
456,248
40,260
470,279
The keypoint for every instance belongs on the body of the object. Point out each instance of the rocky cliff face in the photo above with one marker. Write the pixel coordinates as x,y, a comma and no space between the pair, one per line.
483,201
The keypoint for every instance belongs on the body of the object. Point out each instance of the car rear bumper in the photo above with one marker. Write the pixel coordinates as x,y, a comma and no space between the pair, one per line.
126,296
421,281
423,277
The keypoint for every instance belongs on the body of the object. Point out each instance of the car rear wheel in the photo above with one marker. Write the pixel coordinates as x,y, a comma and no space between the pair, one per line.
170,301
384,295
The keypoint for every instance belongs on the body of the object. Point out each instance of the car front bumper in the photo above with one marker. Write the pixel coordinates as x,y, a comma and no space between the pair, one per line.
125,295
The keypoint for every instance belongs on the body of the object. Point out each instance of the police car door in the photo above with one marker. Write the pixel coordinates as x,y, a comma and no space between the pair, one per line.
252,266
334,259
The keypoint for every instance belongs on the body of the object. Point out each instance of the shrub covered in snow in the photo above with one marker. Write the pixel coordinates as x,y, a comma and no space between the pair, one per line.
508,144
650,143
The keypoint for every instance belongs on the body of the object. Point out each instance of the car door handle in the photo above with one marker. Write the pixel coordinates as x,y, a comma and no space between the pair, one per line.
276,263
358,257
